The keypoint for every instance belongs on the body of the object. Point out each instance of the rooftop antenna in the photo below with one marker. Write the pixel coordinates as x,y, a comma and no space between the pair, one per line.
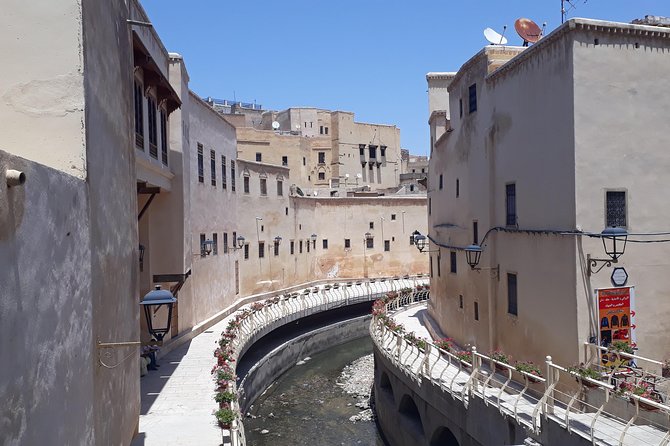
564,11
527,30
494,38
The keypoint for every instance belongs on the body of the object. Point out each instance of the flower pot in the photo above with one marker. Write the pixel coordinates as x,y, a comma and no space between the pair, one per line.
501,369
588,384
533,380
665,372
645,406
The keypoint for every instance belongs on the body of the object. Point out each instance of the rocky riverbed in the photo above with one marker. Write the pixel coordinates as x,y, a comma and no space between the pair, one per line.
356,380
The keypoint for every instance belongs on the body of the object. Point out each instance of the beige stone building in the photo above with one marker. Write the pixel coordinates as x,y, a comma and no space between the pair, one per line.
534,150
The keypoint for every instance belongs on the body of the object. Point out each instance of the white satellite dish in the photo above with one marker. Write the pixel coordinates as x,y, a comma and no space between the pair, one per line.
494,37
358,175
346,175
275,125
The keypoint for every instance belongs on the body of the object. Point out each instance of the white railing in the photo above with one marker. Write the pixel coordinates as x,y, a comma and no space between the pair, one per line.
254,319
518,394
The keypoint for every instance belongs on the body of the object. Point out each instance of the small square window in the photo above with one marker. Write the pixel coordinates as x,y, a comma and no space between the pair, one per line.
259,157
347,243
284,160
322,176
324,243
370,243
392,217
372,225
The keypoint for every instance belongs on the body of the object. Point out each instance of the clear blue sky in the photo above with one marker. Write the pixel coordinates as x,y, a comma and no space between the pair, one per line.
365,56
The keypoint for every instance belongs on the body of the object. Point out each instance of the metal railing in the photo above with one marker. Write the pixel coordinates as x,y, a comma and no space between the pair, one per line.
256,318
526,397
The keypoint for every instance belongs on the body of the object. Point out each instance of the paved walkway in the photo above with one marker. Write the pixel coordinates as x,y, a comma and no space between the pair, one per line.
178,398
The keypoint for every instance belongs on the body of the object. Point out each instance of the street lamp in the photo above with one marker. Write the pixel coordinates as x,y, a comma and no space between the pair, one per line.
419,240
313,239
152,301
239,242
277,240
472,254
206,248
614,244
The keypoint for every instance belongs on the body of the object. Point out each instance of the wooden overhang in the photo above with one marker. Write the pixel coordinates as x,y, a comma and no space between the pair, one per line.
153,76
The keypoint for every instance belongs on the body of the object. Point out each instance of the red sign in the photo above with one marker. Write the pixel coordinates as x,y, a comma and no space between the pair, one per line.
615,316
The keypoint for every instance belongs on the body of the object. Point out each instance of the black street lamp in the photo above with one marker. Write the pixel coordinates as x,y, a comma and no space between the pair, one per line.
472,254
614,244
239,242
152,301
419,240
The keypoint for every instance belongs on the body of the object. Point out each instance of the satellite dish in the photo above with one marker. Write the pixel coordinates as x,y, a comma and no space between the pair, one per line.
528,31
358,175
275,125
494,37
346,175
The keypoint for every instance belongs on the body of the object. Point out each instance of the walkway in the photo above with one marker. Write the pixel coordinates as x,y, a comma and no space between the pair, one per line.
178,398
515,403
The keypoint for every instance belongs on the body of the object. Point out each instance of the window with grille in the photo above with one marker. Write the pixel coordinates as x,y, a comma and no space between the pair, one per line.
322,176
215,246
201,165
510,204
202,245
300,247
139,116
472,98
225,243
232,175
264,186
387,245
370,243
164,142
246,251
276,248
324,243
292,247
223,172
153,133
280,188
615,203
261,250
452,258
512,294
322,157
347,243
212,166
259,157
246,184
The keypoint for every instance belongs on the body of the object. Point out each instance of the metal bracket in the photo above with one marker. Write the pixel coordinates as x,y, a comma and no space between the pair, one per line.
592,263
111,345
493,269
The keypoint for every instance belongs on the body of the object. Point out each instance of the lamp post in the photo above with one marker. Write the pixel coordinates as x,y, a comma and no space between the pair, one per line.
206,248
313,239
614,243
239,242
152,302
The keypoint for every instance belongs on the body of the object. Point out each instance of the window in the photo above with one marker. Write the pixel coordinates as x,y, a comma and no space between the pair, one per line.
261,250
441,182
304,161
307,243
314,244
373,152
439,265
246,251
382,151
475,232
476,311
234,239
324,243
139,116
392,217
201,165
153,133
430,205
276,248
511,294
164,141
300,247
615,203
411,188
472,98
452,258
292,247
370,243
202,245
458,188
387,245
286,210
225,242
322,176
264,186
212,166
460,301
280,190
372,225
223,172
361,150
326,129
321,130
284,160
215,244
232,175
347,243
246,184
259,157
460,108
431,265
510,204
322,157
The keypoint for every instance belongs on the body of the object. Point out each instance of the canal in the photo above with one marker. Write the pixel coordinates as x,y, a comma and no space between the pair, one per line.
308,405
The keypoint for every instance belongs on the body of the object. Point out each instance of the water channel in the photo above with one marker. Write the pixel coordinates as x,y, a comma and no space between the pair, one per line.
306,406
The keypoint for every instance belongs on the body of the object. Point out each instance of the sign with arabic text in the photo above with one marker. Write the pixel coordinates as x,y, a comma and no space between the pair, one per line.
616,315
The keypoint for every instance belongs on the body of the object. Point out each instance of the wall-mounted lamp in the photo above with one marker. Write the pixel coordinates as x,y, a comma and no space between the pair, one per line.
238,243
312,237
367,236
614,244
142,249
277,240
473,253
207,247
152,301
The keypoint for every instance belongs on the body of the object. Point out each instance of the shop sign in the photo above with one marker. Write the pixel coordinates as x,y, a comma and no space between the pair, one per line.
616,314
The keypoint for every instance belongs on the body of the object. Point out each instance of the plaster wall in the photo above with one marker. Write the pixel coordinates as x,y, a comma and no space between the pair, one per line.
620,144
438,96
43,95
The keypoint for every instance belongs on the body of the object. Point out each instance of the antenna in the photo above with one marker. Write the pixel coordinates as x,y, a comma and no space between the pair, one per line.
494,38
527,30
564,11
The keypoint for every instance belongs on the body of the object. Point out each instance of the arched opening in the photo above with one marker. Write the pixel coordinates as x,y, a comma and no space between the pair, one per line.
410,413
385,386
443,437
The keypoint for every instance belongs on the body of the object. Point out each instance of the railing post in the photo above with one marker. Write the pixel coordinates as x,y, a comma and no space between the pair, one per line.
548,384
426,361
475,367
398,345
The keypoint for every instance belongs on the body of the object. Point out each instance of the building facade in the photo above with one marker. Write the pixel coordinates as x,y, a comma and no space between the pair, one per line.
538,150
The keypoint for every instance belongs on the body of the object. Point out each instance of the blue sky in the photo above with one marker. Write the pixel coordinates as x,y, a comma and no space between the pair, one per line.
365,56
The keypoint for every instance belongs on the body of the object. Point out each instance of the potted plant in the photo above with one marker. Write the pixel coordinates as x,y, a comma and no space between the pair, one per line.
500,357
585,372
225,417
621,346
444,344
644,390
223,397
530,368
464,356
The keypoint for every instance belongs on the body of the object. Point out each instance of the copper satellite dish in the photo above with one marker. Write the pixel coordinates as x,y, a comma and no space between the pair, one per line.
528,31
